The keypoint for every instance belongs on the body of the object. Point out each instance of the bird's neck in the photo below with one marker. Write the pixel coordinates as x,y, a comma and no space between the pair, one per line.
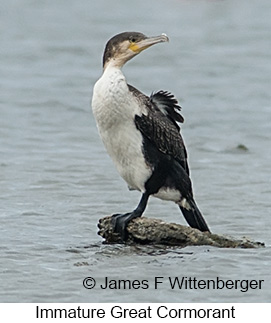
112,85
113,76
113,63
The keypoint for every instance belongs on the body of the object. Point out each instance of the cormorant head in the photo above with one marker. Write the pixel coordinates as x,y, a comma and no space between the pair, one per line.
125,46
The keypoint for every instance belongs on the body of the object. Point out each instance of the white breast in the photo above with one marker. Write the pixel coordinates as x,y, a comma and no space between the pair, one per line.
114,109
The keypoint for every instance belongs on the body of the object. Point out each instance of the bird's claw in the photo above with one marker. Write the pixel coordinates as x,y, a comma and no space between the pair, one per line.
119,223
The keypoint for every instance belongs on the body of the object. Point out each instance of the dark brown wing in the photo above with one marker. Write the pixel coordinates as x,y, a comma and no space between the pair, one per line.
160,126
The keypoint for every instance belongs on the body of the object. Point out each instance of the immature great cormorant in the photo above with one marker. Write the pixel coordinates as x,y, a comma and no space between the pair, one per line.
141,134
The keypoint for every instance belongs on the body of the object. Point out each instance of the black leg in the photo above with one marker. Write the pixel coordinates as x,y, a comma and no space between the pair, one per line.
120,221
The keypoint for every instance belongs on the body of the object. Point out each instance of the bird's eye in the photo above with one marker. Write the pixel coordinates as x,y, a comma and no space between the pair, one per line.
132,40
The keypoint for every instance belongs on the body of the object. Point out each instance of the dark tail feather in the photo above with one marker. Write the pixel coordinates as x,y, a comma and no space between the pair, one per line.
194,217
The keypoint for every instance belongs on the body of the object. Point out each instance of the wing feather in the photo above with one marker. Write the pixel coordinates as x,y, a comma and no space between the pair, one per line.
168,104
159,125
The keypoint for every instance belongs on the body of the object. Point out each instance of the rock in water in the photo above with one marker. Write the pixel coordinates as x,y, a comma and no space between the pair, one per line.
153,231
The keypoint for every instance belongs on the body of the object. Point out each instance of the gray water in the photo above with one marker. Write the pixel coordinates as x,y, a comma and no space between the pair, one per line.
56,179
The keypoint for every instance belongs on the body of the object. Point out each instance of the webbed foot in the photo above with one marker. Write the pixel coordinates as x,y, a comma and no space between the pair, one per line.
120,222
